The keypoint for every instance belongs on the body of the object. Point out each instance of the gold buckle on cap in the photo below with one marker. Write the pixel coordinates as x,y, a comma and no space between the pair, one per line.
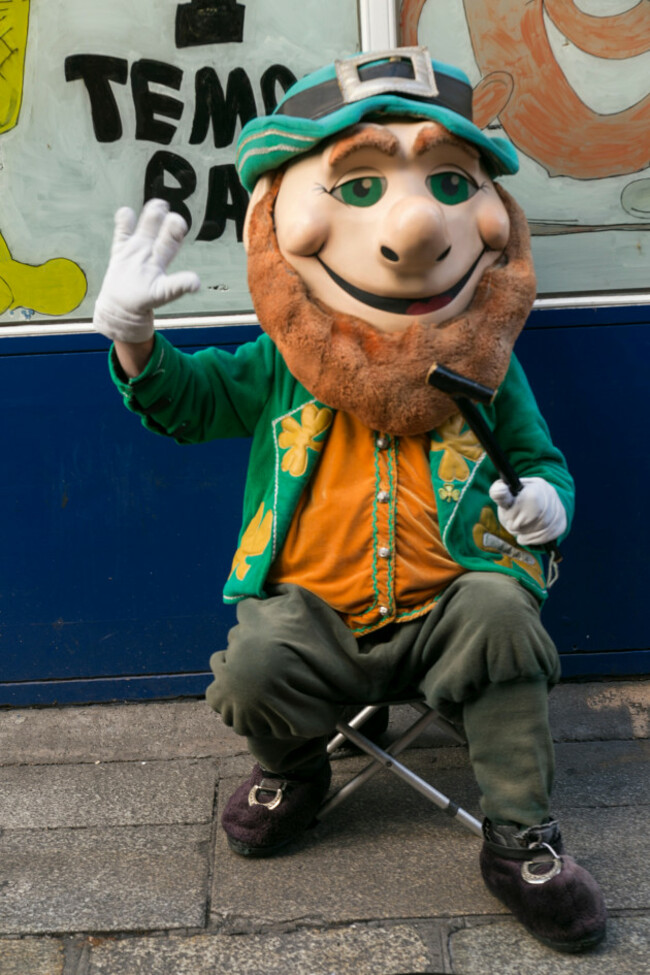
421,85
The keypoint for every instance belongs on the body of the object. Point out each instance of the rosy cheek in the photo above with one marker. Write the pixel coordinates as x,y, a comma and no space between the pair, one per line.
494,224
302,229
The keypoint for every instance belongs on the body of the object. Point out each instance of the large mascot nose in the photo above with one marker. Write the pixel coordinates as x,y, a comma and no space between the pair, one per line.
413,234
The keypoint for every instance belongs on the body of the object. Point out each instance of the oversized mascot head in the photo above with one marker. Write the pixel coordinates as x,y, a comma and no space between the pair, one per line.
378,240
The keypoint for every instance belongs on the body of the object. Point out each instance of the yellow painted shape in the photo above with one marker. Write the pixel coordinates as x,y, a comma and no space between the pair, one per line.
458,446
297,438
490,526
14,20
254,541
53,288
5,296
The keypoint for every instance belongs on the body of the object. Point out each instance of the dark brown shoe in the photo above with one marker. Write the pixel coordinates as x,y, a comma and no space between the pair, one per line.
555,899
269,811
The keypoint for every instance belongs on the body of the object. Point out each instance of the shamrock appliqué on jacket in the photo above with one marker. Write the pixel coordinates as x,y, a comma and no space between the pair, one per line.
457,446
490,536
448,493
299,437
254,541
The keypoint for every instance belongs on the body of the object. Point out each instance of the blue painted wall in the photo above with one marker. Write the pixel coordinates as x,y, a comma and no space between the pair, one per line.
116,542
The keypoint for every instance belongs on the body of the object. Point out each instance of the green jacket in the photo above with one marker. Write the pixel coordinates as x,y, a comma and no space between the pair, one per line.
251,393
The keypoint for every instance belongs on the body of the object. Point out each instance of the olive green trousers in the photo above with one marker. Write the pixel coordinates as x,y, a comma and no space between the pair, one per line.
482,653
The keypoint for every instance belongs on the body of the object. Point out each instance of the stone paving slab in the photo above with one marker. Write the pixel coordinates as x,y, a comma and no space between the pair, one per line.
607,773
357,950
597,773
384,853
500,949
31,956
108,879
120,794
612,845
338,872
606,709
186,729
114,733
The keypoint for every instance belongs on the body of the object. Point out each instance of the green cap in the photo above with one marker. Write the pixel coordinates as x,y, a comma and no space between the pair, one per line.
403,82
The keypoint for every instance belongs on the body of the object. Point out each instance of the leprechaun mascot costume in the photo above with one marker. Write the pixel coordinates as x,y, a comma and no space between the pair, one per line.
380,555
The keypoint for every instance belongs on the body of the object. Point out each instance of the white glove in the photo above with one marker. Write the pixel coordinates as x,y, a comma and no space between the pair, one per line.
535,515
136,281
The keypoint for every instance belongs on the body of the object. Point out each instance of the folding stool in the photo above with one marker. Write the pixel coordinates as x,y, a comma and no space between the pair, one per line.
387,759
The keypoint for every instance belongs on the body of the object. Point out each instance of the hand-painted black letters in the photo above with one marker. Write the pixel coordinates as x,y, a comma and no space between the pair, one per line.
276,74
224,185
227,199
211,105
154,182
168,175
148,103
97,71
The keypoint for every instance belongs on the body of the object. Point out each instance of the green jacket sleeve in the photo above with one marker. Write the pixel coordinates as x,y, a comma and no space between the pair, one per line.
523,434
202,396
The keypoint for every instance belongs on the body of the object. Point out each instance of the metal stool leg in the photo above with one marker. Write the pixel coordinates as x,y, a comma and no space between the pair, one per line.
388,760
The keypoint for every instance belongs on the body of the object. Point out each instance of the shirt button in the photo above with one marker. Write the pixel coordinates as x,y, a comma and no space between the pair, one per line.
383,497
383,552
383,442
383,611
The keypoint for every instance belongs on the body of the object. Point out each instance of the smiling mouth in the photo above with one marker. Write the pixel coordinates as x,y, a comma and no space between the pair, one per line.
403,306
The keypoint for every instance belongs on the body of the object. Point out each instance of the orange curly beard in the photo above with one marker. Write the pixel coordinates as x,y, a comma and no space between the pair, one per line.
381,377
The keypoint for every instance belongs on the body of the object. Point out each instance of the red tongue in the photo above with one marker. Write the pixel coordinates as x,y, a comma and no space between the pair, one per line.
428,305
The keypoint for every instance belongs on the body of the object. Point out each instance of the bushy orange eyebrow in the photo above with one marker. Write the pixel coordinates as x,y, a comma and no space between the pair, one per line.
369,137
435,135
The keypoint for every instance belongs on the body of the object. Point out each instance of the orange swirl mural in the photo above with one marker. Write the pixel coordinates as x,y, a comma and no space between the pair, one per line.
525,88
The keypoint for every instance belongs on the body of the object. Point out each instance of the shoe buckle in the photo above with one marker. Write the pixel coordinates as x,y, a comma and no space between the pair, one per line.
528,873
267,785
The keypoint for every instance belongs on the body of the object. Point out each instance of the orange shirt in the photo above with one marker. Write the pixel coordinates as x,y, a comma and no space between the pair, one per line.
365,536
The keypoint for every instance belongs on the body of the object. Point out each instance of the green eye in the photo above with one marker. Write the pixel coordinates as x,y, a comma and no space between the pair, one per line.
361,192
451,188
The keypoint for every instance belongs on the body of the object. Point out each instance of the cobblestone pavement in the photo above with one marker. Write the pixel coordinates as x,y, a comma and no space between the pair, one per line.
112,861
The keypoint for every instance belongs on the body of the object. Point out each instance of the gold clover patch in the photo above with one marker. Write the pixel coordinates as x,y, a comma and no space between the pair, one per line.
298,437
457,448
254,541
